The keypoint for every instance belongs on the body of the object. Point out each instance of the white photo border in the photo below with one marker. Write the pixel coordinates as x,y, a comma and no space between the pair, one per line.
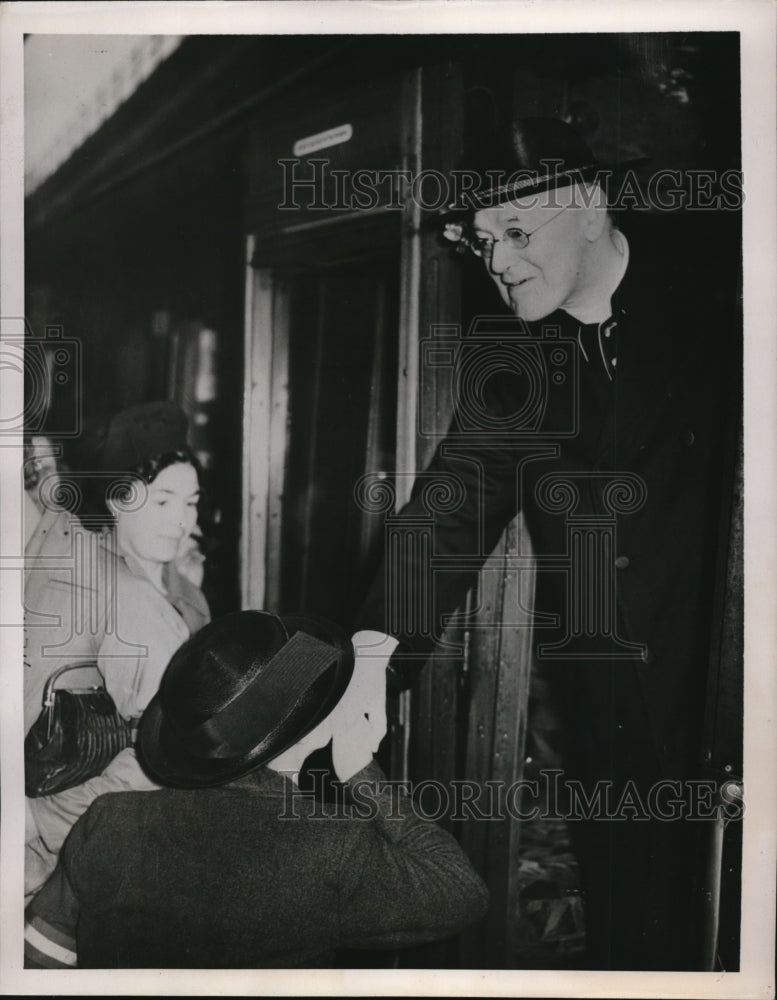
755,20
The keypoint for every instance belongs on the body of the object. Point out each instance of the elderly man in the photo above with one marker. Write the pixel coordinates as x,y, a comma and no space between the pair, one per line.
602,414
233,866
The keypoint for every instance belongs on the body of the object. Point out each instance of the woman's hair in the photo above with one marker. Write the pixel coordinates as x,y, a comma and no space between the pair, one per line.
31,472
95,512
149,469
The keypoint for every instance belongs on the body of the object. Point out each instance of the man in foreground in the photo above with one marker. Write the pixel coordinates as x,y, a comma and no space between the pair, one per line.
232,866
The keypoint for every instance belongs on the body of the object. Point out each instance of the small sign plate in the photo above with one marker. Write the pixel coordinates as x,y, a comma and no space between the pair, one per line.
322,140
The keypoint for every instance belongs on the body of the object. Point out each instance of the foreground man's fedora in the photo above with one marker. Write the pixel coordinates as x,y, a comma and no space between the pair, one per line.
238,693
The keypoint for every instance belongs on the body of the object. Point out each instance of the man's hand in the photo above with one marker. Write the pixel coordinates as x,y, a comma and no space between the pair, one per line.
359,720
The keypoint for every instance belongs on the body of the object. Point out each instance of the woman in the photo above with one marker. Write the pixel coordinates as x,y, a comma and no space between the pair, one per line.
146,606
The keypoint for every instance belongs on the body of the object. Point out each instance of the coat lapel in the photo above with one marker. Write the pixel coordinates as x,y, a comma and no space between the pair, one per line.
656,348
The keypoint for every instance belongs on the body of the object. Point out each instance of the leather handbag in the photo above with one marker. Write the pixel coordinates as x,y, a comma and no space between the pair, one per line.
77,734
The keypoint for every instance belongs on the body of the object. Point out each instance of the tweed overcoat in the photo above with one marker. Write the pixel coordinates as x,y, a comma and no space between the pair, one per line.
253,874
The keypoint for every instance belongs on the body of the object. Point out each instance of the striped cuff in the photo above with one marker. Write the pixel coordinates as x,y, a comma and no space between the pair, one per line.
45,947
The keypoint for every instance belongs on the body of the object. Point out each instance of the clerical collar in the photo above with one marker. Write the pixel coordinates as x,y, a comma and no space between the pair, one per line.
601,309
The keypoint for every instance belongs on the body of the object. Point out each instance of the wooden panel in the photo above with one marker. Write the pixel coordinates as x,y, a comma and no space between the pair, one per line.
374,112
434,743
256,435
279,408
436,735
483,685
499,672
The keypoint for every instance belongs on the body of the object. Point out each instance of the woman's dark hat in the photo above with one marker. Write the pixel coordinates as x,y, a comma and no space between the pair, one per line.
532,156
238,693
141,432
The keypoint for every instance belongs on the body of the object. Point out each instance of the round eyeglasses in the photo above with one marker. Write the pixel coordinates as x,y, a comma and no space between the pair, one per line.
516,239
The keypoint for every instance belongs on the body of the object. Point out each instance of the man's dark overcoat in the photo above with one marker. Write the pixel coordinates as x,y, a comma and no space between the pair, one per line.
627,514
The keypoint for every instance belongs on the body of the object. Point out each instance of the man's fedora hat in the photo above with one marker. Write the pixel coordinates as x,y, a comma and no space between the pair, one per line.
531,156
238,693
